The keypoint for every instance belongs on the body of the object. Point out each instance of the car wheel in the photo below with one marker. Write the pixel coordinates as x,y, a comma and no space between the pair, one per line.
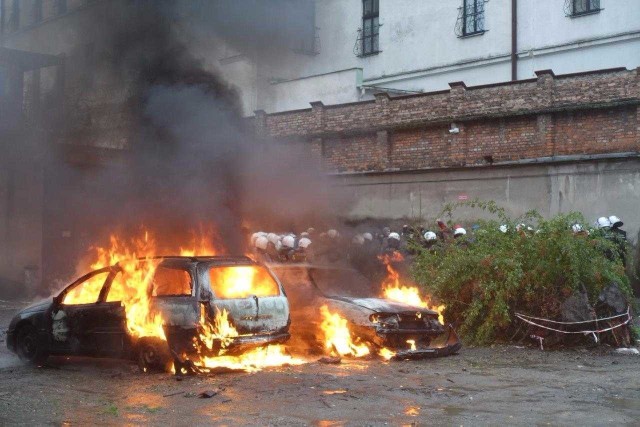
30,347
153,355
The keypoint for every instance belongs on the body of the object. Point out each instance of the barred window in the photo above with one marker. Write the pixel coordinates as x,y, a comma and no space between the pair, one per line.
14,19
62,6
370,26
470,18
582,7
36,13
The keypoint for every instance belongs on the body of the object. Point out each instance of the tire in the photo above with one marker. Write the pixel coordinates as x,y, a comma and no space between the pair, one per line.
153,355
30,347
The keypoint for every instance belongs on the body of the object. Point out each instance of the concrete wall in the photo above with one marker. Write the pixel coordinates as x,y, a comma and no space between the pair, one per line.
595,188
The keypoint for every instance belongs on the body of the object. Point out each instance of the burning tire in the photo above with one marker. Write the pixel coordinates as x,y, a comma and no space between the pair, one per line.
153,355
30,347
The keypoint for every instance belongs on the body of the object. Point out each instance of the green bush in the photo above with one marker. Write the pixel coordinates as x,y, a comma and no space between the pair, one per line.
492,275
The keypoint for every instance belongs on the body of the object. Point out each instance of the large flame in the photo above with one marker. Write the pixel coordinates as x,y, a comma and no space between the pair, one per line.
392,288
222,330
337,337
253,360
130,287
242,281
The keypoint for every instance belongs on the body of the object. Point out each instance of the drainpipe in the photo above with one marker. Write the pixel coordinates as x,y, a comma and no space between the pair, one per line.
514,40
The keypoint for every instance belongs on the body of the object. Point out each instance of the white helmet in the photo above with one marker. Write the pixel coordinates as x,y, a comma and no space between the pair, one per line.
504,228
288,241
367,236
304,234
460,232
332,233
577,228
615,221
603,222
521,227
357,240
394,235
430,236
261,243
304,243
254,236
273,238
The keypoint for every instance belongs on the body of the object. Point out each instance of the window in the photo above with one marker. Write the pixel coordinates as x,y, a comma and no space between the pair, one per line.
86,292
370,27
171,282
242,282
37,11
14,19
470,18
581,7
62,6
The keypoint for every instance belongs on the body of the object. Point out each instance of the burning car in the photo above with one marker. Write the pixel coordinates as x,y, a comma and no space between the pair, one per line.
155,310
346,298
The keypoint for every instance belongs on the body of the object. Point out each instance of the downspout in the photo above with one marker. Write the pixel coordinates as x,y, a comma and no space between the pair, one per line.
514,40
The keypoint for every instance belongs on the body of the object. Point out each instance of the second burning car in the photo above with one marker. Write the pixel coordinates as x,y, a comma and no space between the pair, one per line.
409,332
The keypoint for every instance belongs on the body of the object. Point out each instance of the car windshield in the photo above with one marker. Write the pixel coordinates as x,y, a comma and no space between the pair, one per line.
242,281
343,282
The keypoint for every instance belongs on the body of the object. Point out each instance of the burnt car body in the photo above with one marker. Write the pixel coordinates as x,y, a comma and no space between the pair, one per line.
182,290
379,321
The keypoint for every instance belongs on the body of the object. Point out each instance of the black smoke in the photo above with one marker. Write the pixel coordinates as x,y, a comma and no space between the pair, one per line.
188,160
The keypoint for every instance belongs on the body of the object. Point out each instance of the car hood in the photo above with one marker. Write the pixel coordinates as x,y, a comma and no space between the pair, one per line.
380,305
38,306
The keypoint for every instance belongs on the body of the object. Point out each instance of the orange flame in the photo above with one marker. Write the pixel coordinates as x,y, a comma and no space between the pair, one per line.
130,286
202,243
392,288
251,361
338,337
221,329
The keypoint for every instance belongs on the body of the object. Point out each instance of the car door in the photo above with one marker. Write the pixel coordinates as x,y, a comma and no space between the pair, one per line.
253,298
84,323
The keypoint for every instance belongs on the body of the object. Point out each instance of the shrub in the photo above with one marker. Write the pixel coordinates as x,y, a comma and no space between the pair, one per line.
492,275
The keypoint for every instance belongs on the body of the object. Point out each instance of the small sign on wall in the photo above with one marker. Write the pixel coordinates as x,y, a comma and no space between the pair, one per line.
462,197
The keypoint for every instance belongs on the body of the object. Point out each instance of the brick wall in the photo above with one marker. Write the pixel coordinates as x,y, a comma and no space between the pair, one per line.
586,113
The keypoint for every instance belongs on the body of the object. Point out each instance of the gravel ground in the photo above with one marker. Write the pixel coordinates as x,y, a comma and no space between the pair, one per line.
499,385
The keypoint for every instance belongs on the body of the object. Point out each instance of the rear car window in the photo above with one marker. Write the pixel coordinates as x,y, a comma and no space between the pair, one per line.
242,281
171,282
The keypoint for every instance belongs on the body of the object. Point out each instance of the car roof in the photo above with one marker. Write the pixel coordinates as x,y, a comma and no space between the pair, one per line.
209,259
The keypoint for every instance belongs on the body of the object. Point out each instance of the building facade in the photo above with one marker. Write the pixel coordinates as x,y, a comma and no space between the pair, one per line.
409,46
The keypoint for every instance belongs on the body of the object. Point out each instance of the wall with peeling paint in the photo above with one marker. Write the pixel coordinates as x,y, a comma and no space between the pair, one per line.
595,188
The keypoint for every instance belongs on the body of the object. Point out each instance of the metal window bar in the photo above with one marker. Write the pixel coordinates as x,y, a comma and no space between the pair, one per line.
14,20
581,7
37,11
470,18
62,6
369,34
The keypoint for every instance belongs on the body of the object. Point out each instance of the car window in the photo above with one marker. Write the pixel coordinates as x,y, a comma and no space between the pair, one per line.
171,282
343,282
297,283
242,281
86,292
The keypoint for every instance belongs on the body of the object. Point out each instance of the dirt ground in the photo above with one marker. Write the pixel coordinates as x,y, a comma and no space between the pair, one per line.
501,385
